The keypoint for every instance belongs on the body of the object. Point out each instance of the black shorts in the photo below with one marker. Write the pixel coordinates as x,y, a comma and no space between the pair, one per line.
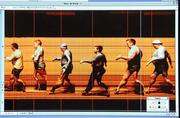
161,69
39,66
16,72
36,65
133,68
68,70
97,73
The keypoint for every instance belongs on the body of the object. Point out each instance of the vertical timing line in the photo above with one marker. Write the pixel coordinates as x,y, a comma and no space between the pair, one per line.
151,29
34,23
92,33
151,23
61,24
34,35
127,25
127,34
140,75
14,20
177,59
14,41
92,23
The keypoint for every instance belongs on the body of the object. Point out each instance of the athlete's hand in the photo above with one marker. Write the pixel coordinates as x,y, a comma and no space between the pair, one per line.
151,61
33,56
118,57
54,59
82,61
65,67
147,64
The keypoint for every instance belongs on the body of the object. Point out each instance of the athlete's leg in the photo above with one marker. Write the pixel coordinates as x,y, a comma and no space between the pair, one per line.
139,88
11,81
66,77
35,76
99,80
70,88
43,74
168,81
90,83
17,79
124,80
165,76
152,81
20,81
58,84
101,84
10,85
42,82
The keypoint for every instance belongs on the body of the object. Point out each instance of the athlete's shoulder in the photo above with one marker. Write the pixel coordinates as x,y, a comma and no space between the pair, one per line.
135,47
18,51
99,54
103,55
162,48
67,52
40,48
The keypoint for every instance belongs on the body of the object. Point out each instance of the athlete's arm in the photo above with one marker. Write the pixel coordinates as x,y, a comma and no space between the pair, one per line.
86,61
68,58
36,57
10,58
14,55
169,59
161,55
127,58
105,60
56,59
90,61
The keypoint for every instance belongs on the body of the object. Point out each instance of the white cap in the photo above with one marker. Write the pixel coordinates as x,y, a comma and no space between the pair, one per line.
63,45
156,42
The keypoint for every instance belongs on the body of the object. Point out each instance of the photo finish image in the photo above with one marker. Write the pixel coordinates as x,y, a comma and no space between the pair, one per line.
88,60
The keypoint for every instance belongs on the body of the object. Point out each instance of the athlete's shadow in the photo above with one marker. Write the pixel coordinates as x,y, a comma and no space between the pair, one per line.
98,93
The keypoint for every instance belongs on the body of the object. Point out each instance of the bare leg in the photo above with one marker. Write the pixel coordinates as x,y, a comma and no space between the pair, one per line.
152,81
141,85
19,81
58,84
70,88
44,80
11,81
136,75
10,85
168,81
43,75
67,79
124,81
36,79
136,78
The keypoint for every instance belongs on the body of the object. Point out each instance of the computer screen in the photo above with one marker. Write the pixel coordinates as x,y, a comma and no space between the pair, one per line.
115,58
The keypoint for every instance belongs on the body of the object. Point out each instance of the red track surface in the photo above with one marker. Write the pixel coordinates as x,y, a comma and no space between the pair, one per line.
81,82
